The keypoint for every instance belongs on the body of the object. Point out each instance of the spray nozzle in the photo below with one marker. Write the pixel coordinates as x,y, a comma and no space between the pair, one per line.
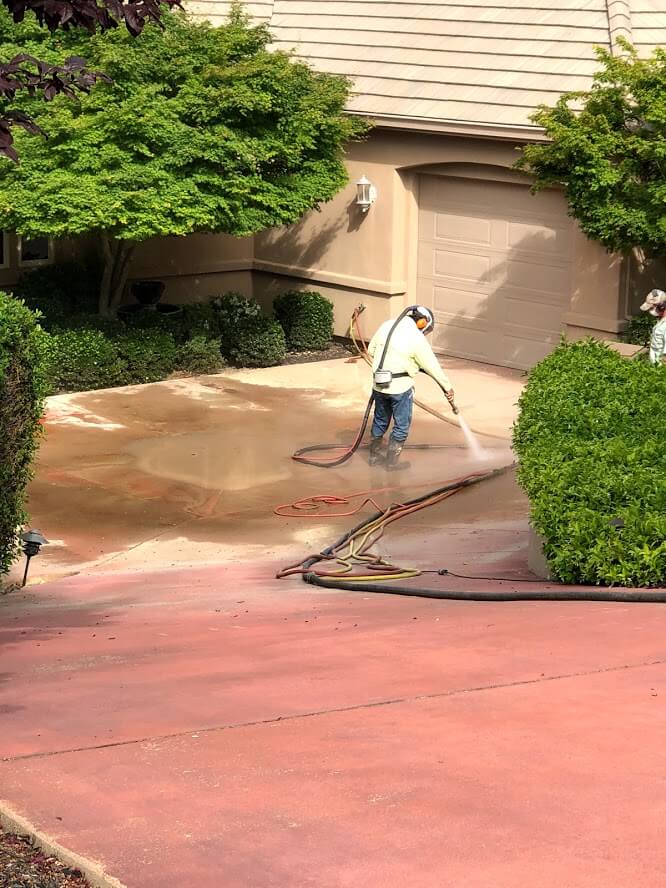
455,409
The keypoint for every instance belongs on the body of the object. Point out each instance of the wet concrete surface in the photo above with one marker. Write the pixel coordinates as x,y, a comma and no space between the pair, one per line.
177,714
190,471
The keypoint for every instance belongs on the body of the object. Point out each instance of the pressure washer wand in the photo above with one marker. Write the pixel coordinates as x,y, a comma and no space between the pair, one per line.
452,403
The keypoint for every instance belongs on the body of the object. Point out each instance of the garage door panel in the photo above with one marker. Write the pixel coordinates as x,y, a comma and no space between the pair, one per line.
530,237
451,302
495,263
463,341
540,319
521,352
536,277
466,229
463,266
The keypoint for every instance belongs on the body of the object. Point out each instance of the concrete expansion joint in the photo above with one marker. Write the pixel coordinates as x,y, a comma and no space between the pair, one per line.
375,704
94,872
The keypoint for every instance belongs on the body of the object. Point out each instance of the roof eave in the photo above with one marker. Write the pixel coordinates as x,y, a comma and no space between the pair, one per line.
478,129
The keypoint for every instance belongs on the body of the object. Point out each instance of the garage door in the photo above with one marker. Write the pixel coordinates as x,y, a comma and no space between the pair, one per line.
495,262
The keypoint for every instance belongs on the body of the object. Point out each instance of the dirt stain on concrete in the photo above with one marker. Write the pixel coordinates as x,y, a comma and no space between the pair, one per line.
200,465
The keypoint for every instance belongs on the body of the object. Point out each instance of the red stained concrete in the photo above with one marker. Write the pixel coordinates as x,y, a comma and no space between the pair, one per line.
210,727
232,731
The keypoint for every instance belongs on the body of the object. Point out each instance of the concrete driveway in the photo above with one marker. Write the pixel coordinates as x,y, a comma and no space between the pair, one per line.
180,717
189,471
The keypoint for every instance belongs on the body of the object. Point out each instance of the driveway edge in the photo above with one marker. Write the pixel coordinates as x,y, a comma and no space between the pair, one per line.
13,822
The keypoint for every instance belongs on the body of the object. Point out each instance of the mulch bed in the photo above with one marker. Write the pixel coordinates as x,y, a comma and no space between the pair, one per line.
24,866
339,348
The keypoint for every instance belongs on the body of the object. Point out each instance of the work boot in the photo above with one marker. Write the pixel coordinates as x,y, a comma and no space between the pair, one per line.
393,454
375,451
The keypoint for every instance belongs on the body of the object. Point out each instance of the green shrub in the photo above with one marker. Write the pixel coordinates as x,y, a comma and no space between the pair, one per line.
201,319
80,360
147,355
590,443
23,385
259,342
60,291
199,355
639,329
109,326
234,310
306,318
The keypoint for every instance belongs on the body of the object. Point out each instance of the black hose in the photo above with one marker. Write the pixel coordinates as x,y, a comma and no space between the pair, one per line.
453,485
596,593
564,593
300,455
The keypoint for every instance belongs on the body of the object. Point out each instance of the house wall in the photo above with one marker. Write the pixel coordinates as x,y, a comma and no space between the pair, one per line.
371,258
197,267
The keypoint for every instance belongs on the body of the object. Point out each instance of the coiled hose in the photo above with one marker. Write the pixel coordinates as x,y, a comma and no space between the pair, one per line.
369,583
375,524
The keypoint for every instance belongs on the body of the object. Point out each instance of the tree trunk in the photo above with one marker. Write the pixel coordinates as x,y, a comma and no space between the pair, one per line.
116,255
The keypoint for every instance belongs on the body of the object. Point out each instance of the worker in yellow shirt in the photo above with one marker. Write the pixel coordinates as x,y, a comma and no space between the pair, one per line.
394,368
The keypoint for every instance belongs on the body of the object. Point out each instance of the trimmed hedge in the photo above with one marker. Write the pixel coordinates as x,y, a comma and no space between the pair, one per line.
81,360
306,318
86,351
199,355
234,310
23,386
256,343
148,355
589,438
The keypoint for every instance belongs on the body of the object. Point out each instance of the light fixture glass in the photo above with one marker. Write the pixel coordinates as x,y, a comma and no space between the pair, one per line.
366,194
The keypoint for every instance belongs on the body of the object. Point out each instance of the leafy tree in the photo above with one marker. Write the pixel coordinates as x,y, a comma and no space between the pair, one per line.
24,72
200,129
607,149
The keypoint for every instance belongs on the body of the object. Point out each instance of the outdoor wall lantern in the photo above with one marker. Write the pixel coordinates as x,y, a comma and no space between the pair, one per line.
32,543
366,194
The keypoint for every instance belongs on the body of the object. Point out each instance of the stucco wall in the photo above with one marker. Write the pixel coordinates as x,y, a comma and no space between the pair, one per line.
197,267
371,258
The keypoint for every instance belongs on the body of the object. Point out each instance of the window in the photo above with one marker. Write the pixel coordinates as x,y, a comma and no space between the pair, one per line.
35,250
4,250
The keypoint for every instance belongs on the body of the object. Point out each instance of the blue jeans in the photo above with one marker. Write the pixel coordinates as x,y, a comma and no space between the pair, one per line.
399,407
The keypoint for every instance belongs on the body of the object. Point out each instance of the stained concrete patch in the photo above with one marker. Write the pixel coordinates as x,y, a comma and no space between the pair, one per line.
190,470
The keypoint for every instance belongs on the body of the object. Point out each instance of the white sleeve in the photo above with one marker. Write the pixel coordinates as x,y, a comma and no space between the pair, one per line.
657,344
425,358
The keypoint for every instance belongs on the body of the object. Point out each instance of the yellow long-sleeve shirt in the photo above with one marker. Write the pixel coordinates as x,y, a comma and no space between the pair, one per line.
408,352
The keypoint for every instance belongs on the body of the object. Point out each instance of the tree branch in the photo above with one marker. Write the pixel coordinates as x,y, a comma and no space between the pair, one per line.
24,72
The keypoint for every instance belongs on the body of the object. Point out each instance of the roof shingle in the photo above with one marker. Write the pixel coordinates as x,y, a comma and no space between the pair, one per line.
463,61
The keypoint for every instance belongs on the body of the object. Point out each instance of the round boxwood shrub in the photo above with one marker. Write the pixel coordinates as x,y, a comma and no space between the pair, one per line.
199,355
589,439
234,310
200,319
306,318
147,355
259,342
81,360
23,385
